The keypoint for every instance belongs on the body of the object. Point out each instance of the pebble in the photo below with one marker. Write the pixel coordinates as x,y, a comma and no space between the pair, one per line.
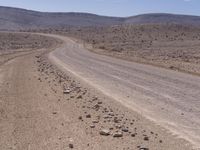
67,91
80,118
104,132
100,103
54,113
146,138
71,146
92,126
118,134
133,135
124,129
144,148
95,121
88,116
80,97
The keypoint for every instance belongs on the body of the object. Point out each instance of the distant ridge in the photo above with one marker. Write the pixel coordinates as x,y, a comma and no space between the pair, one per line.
16,18
164,18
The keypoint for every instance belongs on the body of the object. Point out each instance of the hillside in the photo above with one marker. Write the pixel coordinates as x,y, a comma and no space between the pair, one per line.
163,18
15,19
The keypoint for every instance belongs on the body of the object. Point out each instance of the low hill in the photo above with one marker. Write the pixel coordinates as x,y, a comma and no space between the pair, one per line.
161,18
15,19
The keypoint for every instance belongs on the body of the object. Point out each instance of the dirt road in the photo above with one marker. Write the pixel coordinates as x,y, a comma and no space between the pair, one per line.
171,99
36,112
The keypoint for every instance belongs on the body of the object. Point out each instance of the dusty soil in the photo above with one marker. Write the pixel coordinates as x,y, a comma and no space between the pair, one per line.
16,44
43,108
171,46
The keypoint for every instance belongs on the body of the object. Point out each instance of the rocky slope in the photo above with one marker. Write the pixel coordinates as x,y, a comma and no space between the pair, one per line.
16,19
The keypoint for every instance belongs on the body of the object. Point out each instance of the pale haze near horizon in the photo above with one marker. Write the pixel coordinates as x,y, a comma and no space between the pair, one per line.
109,7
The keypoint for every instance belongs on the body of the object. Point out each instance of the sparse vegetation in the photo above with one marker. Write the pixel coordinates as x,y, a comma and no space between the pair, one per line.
15,44
168,45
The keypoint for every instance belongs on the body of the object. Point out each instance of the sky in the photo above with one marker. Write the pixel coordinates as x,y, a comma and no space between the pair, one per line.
121,8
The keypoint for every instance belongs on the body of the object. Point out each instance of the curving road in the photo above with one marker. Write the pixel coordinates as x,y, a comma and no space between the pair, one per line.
171,99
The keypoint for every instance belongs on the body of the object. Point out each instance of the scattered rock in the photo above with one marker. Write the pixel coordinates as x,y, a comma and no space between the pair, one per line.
106,117
80,118
104,132
95,121
71,146
111,128
111,114
116,120
80,97
100,103
67,91
118,134
95,98
144,148
133,135
92,126
146,138
124,129
118,126
88,116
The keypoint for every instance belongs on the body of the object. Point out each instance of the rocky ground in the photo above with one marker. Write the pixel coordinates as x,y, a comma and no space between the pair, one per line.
44,108
168,45
13,45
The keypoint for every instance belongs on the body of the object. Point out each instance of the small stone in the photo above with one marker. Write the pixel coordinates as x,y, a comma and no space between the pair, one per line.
95,98
133,135
92,126
88,116
118,134
95,121
118,126
144,148
146,138
111,128
111,114
106,116
124,129
80,97
67,91
104,132
71,146
116,120
100,103
54,113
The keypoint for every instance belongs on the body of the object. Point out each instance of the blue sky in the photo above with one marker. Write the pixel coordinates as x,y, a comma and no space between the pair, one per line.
110,7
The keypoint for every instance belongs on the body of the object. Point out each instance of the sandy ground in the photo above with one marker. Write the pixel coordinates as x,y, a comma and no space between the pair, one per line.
44,108
171,46
169,98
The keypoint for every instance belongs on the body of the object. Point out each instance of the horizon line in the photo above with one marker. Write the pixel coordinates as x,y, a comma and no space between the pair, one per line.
148,13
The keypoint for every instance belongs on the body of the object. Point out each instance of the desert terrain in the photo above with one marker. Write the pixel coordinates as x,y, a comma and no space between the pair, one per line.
85,81
13,45
170,46
45,107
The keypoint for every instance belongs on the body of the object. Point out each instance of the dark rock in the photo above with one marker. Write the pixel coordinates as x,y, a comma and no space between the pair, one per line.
71,145
146,138
118,134
124,129
88,116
